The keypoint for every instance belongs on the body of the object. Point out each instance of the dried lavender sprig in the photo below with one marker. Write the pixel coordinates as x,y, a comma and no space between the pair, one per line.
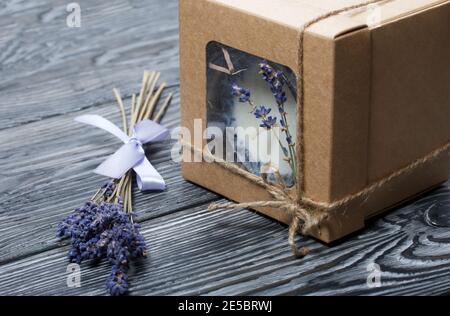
242,93
261,113
244,96
267,122
276,82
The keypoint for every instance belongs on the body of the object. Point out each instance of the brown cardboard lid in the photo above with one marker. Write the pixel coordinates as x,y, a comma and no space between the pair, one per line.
295,13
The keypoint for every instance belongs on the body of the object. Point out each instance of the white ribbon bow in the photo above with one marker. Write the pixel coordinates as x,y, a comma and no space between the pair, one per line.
131,155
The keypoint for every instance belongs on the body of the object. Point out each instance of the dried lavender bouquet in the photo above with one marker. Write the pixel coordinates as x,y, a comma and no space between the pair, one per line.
103,228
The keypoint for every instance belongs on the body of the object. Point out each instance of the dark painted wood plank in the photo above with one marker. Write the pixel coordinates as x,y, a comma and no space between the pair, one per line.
47,68
46,171
242,253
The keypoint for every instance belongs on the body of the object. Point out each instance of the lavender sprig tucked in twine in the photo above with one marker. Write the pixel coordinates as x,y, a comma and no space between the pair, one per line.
104,228
307,214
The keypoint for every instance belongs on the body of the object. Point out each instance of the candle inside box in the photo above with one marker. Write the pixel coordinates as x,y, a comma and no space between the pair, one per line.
257,98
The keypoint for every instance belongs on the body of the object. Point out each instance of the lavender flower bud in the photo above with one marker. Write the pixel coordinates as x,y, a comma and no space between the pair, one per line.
242,93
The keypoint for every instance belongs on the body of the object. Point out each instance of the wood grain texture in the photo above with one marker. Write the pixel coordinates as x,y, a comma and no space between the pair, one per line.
197,252
49,69
50,73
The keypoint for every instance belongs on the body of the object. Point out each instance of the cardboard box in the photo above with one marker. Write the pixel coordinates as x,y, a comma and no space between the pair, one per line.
377,94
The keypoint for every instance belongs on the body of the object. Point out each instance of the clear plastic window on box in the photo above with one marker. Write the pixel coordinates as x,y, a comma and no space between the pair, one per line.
251,112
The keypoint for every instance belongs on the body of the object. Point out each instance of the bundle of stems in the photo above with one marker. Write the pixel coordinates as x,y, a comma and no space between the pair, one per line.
143,106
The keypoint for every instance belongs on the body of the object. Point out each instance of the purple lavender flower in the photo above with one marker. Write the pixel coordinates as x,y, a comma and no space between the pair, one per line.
280,98
269,122
276,82
138,247
289,140
117,283
266,71
109,188
101,230
242,93
262,112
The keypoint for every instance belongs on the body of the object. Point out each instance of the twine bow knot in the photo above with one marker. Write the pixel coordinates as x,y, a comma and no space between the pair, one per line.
307,222
307,215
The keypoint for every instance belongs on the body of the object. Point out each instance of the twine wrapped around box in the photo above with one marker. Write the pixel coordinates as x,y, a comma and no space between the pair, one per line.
307,214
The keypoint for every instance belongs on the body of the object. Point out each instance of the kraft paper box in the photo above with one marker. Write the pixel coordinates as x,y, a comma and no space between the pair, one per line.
376,94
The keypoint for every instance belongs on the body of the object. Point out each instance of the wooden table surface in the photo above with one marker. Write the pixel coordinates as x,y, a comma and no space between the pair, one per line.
51,73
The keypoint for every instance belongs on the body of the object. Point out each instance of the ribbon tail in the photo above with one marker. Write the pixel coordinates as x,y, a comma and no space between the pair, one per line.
100,122
128,156
147,178
148,131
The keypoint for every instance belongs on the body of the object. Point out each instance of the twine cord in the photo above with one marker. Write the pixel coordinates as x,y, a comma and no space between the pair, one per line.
301,87
307,214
